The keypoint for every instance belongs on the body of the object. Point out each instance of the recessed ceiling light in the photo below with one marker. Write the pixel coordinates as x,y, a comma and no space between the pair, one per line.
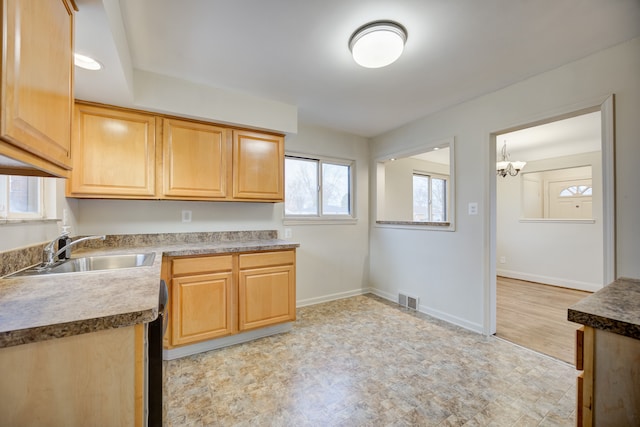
378,44
86,62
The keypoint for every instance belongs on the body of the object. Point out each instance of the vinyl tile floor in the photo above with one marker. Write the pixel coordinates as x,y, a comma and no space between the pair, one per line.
363,361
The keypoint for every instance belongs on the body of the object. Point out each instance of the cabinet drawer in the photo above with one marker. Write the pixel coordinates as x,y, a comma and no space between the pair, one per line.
202,264
265,259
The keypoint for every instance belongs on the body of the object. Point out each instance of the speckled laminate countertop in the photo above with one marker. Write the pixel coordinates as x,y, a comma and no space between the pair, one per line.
37,308
614,308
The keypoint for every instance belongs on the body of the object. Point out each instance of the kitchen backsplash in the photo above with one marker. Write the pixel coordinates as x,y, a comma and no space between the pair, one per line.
18,259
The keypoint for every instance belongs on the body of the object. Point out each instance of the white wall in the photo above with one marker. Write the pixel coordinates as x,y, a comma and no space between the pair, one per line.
450,271
333,258
566,254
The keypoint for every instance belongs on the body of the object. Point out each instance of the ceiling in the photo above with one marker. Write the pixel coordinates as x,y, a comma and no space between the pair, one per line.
296,52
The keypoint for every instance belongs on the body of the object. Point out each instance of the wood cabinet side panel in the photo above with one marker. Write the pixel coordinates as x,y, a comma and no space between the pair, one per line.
88,379
616,379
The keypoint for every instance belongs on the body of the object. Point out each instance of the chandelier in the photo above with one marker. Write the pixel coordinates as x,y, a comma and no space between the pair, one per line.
506,166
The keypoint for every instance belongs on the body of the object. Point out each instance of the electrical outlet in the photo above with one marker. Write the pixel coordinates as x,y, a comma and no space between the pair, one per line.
473,208
287,233
503,259
186,216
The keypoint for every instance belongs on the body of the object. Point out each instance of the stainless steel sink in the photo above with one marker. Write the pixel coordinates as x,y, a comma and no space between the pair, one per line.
91,263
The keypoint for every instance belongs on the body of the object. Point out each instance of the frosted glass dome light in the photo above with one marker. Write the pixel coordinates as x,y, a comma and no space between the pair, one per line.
378,44
86,62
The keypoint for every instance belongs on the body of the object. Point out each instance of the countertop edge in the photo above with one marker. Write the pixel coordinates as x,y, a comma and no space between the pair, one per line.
79,327
604,323
613,308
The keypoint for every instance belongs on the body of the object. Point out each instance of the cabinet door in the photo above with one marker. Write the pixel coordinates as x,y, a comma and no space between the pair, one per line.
258,166
37,82
194,163
266,295
113,154
201,308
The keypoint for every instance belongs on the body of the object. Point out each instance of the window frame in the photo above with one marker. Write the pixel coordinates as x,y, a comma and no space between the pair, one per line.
47,201
320,217
5,202
431,176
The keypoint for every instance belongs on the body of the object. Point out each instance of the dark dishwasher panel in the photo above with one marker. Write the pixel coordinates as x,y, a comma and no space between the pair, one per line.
156,332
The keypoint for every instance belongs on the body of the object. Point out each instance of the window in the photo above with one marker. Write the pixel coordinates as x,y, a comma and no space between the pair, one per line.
577,191
318,188
21,197
429,198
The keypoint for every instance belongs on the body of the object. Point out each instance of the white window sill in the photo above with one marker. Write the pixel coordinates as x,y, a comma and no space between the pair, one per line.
8,221
557,220
417,225
319,221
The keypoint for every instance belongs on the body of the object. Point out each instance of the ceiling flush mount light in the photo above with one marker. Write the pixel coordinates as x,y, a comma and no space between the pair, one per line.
506,166
86,62
378,44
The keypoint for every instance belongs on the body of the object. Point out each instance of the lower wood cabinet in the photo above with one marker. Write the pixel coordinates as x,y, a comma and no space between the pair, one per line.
266,282
607,389
201,295
93,379
221,295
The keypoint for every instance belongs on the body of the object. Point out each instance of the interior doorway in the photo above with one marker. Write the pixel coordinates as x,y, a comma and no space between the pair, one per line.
519,250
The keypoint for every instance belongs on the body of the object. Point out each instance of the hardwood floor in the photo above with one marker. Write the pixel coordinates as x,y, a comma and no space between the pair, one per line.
534,316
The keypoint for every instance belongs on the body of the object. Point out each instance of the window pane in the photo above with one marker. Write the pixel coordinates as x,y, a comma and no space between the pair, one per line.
301,187
438,200
24,194
335,189
420,198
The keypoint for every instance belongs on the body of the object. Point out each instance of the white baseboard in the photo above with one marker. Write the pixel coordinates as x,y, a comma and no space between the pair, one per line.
547,280
463,323
188,350
331,297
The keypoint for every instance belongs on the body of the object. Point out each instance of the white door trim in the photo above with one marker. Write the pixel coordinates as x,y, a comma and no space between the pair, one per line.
606,106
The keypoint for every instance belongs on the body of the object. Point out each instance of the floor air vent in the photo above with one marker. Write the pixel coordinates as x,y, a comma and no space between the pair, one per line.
408,301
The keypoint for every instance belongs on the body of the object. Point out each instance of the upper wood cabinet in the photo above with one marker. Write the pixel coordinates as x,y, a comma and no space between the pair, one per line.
113,154
195,160
37,85
113,157
258,166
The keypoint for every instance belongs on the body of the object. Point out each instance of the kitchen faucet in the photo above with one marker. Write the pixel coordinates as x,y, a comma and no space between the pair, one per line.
64,245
